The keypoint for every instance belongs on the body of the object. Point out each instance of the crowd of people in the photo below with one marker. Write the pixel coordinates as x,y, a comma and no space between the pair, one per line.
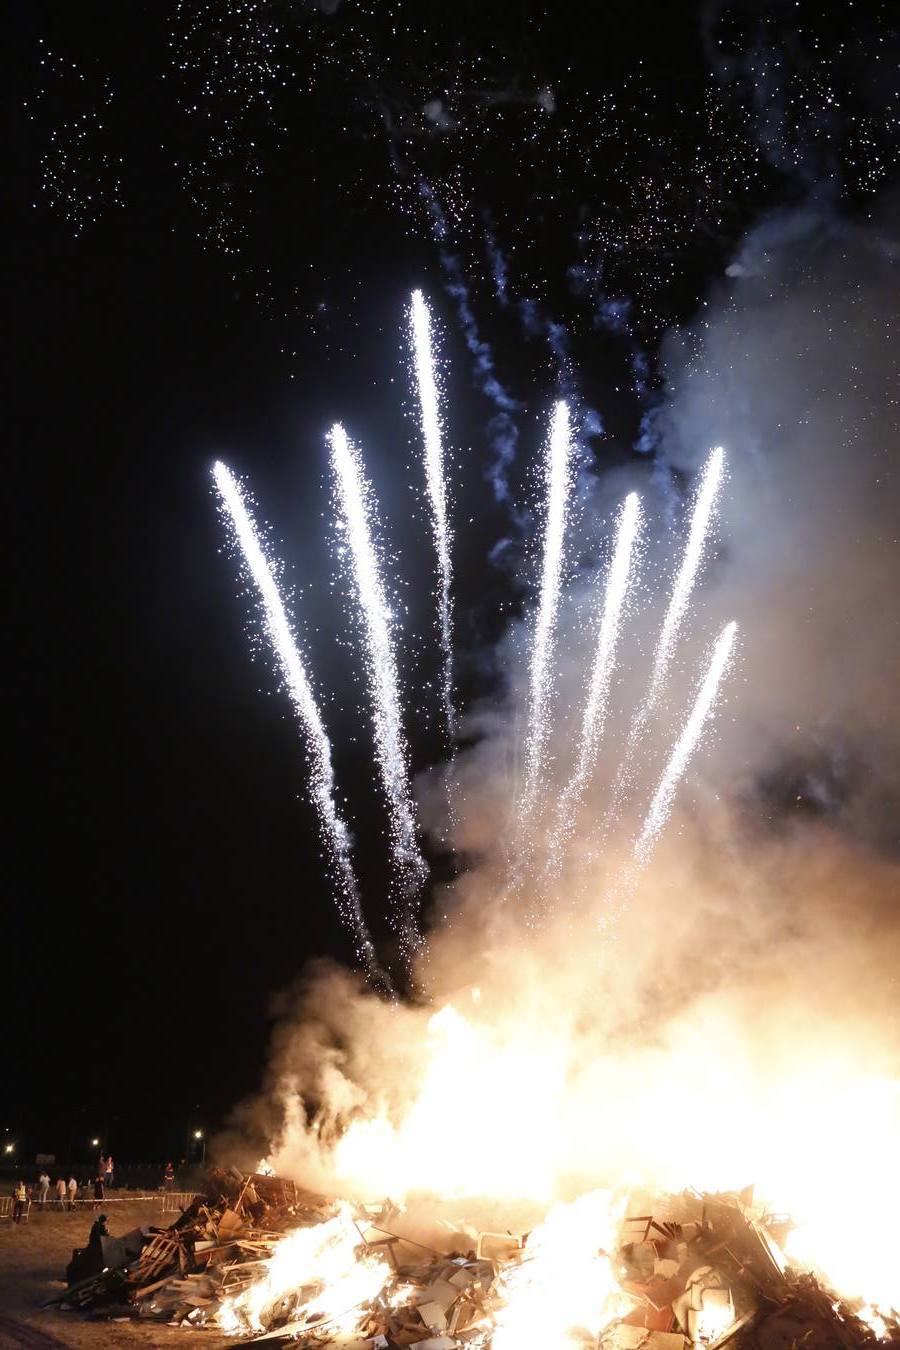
66,1191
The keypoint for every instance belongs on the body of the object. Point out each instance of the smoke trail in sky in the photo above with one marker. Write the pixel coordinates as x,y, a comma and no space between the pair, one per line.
686,744
356,507
278,629
499,267
436,482
558,480
502,430
597,704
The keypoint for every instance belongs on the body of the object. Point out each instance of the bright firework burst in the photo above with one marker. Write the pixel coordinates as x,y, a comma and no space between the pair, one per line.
284,644
356,507
357,515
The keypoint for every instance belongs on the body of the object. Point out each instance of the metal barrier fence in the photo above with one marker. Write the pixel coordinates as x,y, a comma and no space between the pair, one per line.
173,1202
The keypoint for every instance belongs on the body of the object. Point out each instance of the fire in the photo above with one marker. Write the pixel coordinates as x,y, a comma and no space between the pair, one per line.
504,1104
565,1284
324,1262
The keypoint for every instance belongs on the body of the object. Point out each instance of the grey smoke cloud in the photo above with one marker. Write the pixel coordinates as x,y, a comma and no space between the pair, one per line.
795,370
761,946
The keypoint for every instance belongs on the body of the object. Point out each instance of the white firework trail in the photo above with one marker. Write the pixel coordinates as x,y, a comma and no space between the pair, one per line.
686,744
596,707
436,483
558,480
356,507
284,644
685,581
704,502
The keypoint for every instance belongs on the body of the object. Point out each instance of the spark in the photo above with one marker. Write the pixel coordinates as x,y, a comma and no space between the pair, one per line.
420,333
557,476
356,506
686,579
284,644
686,744
597,705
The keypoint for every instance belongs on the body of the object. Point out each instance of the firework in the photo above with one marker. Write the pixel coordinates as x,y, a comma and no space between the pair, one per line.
435,479
356,507
686,744
597,704
686,579
284,644
557,477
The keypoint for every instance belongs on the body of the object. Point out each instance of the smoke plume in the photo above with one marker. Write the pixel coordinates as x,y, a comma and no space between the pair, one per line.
736,1020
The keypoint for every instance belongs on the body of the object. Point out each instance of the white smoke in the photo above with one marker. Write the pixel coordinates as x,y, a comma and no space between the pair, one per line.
733,1021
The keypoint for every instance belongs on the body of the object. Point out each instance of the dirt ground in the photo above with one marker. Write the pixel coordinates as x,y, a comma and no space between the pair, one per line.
33,1259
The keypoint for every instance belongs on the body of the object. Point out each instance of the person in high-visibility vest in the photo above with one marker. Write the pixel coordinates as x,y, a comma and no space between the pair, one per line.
20,1201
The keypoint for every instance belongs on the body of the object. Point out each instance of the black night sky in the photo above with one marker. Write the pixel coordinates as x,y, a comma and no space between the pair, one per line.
219,212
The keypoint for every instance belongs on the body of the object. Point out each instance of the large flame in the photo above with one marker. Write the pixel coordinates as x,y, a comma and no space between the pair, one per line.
505,1107
323,1261
566,1284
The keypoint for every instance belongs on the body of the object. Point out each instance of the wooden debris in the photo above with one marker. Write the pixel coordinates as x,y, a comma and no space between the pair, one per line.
707,1262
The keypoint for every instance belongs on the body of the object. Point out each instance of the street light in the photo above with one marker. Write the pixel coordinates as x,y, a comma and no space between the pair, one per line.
198,1135
9,1148
95,1143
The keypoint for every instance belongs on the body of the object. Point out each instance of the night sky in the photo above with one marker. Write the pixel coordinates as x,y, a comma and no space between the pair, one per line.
220,210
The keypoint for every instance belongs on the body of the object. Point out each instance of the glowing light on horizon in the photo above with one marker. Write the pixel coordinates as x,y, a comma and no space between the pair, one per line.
356,507
287,653
436,483
558,480
705,702
597,705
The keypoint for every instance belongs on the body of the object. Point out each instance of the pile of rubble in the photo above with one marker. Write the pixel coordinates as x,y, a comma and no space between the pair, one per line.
704,1271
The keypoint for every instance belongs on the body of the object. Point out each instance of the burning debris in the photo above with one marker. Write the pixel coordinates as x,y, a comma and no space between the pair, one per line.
264,1262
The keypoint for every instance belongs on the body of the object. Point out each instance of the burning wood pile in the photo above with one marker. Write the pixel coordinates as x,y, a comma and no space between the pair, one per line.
266,1263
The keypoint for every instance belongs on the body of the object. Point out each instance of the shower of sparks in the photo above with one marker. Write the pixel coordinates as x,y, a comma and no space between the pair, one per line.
356,506
558,480
686,744
685,581
597,704
423,352
278,629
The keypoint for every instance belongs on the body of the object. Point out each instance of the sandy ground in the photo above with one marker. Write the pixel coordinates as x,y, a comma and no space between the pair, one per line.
33,1259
